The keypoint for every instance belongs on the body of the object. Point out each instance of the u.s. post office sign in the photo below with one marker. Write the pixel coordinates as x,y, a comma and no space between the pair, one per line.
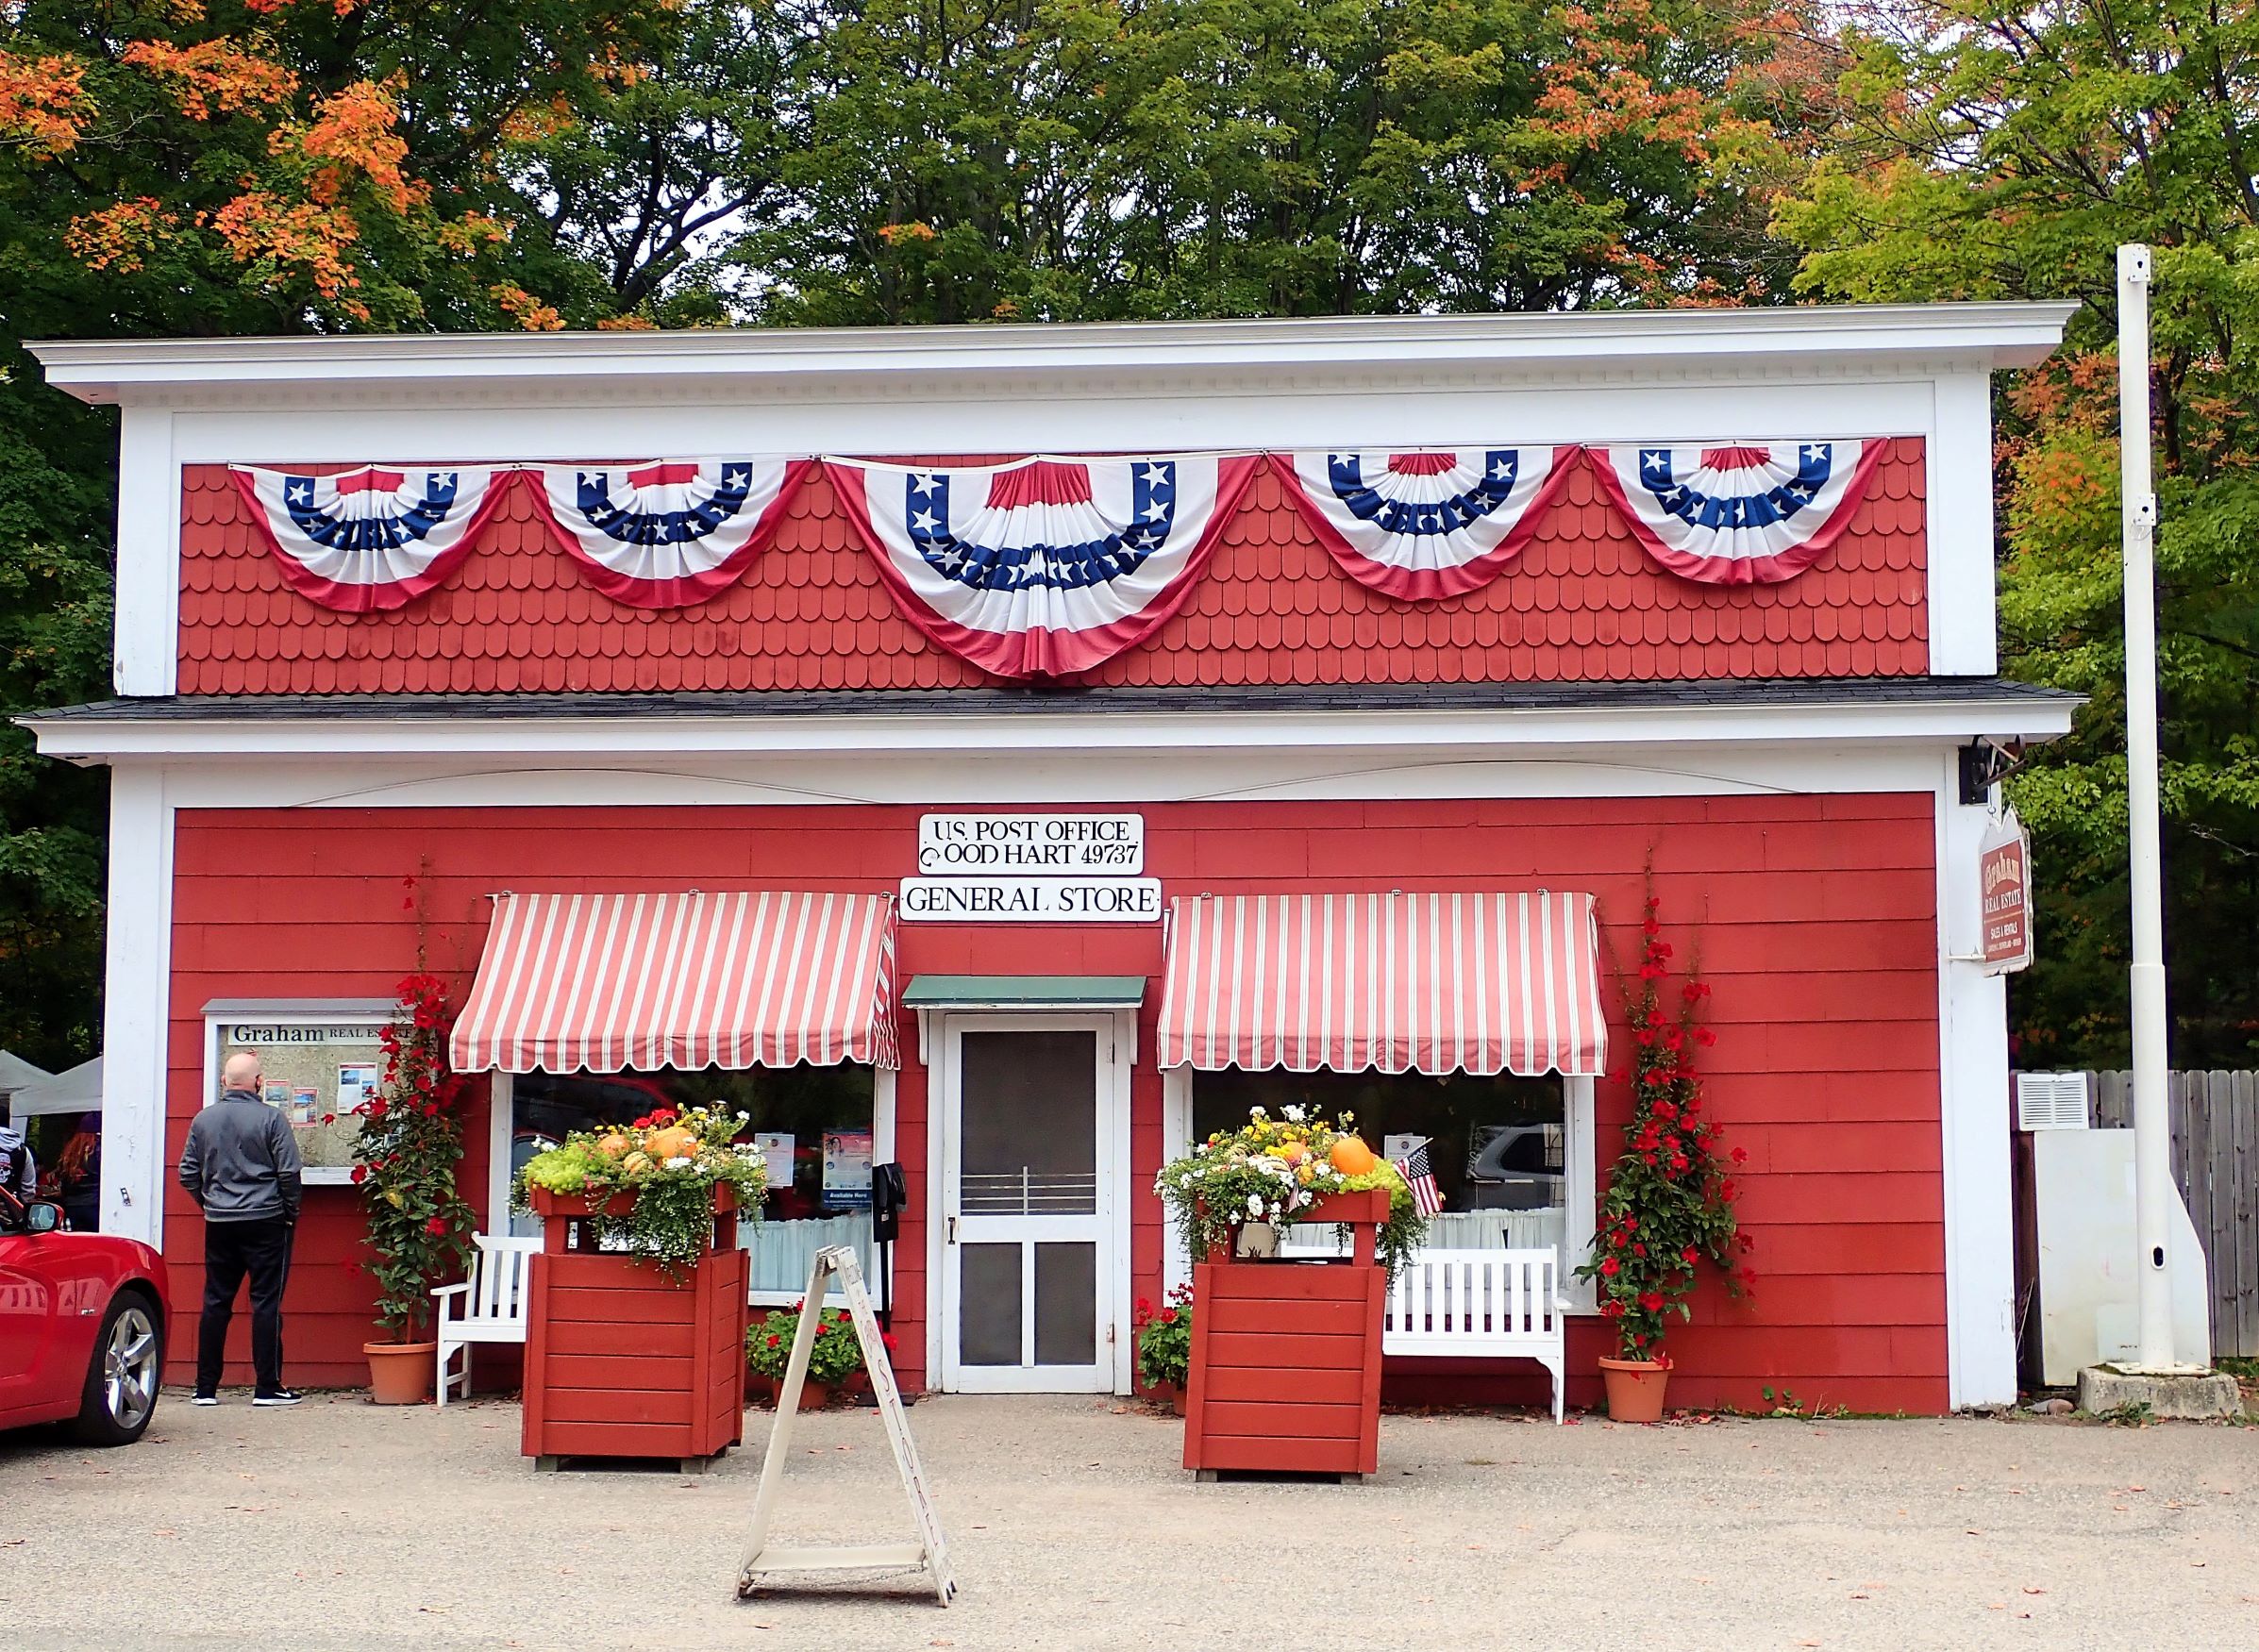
1031,846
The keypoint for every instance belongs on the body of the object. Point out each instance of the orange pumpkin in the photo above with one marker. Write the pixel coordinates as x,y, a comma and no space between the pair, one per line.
613,1145
1351,1156
1293,1152
671,1142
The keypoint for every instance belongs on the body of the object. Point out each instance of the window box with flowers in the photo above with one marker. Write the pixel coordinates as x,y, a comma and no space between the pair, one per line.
635,1326
1669,1207
1283,1370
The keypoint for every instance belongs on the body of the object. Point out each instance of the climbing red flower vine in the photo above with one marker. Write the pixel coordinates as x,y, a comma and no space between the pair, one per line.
1670,1201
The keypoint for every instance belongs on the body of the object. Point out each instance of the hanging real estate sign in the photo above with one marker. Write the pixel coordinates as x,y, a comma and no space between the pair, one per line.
2004,878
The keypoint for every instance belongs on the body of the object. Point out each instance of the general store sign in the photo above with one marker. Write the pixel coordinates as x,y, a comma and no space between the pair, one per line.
1032,844
1032,900
2005,876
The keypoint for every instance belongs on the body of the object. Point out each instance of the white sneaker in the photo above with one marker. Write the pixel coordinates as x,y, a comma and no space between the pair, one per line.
205,1399
284,1397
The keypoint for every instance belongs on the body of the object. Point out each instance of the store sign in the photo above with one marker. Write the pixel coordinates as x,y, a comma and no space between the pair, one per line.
263,1037
1032,900
1039,845
2005,876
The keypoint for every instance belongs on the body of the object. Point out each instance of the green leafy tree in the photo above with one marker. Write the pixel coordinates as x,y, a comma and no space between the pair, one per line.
1986,150
1094,158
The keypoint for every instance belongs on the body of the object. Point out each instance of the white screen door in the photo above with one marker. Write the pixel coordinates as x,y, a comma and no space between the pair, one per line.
1030,1163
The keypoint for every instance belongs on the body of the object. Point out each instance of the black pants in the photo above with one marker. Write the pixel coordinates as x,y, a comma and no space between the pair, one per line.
232,1249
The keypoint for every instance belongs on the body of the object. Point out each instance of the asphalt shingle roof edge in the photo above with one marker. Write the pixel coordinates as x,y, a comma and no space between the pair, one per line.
1547,697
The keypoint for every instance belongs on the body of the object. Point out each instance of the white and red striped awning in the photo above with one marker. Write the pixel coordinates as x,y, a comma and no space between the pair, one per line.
605,983
1429,983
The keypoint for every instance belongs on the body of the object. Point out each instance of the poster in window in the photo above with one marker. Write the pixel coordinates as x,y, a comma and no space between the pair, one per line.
847,1169
356,1085
776,1155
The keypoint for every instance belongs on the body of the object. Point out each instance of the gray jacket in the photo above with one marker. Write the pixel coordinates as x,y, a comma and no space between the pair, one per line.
17,1172
240,1163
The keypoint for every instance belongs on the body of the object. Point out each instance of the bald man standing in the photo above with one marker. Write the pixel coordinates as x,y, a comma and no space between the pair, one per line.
241,1166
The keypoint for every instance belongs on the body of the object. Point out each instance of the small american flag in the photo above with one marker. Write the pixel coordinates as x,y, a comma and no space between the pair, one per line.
1420,1177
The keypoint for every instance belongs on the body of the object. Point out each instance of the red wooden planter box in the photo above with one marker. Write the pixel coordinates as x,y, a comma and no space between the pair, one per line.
1286,1356
623,1360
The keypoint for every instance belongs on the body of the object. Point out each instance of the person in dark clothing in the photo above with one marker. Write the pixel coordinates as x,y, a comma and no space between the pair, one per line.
241,1166
79,1174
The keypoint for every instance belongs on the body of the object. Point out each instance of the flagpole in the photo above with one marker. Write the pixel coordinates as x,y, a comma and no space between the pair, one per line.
2153,1193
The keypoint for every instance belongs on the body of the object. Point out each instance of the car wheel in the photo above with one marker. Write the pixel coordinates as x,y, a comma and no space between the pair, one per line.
121,1380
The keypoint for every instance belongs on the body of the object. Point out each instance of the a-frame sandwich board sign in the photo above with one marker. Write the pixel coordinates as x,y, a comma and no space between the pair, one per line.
928,1553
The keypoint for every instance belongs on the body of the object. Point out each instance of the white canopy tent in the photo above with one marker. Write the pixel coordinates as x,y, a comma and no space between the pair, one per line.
16,1073
77,1090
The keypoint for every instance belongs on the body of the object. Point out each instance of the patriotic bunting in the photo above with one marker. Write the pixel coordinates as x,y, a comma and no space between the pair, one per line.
1738,515
1045,567
368,539
1423,525
668,533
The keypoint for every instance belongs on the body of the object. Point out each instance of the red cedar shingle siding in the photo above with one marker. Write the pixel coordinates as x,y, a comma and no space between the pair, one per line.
1582,603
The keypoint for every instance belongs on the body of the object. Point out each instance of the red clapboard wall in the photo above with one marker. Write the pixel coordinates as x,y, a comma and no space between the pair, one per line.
1582,604
1814,918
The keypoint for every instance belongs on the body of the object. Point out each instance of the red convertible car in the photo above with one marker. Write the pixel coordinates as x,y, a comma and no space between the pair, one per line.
82,1325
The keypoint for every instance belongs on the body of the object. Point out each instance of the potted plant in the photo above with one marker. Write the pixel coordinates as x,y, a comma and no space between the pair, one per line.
1282,1367
635,1323
833,1358
1164,1347
1670,1198
404,1160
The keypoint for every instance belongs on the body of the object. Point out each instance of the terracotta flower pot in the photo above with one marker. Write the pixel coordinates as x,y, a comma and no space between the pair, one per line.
815,1397
1634,1389
400,1373
1166,1394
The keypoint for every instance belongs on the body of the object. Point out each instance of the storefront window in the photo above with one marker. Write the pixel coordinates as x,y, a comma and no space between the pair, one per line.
1500,1147
815,1125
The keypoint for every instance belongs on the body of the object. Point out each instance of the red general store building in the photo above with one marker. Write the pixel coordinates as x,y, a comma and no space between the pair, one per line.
1382,665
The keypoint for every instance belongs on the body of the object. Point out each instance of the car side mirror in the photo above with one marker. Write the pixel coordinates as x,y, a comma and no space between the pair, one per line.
42,1216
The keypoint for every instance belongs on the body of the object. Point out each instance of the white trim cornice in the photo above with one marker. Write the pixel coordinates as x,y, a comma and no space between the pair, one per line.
1339,351
92,738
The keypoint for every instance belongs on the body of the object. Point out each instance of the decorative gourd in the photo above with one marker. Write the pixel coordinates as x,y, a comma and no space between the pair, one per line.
1351,1156
671,1142
613,1145
636,1162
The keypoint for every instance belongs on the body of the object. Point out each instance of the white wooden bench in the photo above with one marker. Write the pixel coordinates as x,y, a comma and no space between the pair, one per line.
489,1307
1481,1304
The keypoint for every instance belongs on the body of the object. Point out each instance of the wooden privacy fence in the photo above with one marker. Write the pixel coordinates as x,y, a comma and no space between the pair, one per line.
2215,1161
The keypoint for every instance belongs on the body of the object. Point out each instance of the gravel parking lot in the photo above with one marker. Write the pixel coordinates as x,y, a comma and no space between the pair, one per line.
1070,1525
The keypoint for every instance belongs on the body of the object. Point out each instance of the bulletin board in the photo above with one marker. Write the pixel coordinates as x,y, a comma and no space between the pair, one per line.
320,1060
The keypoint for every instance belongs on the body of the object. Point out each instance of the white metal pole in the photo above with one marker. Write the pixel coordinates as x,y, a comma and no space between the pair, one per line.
2153,1140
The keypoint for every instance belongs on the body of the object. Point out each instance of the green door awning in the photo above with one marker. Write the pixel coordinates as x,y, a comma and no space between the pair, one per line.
1025,993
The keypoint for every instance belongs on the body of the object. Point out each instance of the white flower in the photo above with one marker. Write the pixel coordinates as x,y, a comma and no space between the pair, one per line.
677,1162
1293,1115
1254,1204
1255,1112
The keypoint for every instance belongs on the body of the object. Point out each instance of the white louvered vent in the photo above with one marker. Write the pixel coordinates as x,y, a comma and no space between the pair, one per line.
2054,1101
